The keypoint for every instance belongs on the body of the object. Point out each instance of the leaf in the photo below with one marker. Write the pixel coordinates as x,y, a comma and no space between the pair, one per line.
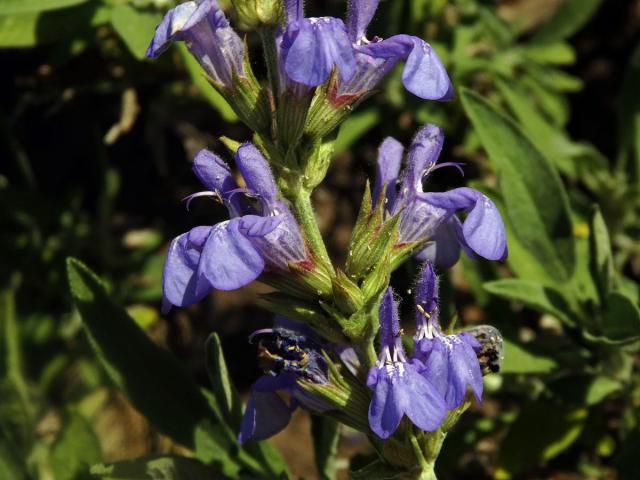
378,470
570,17
601,261
204,87
542,431
584,389
535,198
135,26
75,449
519,360
553,53
326,437
156,384
223,389
13,7
354,127
156,468
30,29
621,320
629,122
534,295
16,424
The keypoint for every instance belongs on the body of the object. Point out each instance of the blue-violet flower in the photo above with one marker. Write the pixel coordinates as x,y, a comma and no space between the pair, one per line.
430,216
202,25
261,234
399,387
450,361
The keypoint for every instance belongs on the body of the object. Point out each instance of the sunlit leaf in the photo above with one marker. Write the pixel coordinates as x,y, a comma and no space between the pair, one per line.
75,449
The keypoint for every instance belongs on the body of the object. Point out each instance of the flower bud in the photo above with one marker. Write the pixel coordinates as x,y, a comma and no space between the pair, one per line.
256,13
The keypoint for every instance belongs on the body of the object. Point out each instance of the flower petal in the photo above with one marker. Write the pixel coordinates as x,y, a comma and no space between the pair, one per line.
213,172
255,226
385,409
266,414
427,289
423,75
181,283
444,248
388,318
465,365
229,260
423,155
387,169
312,46
170,28
256,171
483,229
359,16
421,402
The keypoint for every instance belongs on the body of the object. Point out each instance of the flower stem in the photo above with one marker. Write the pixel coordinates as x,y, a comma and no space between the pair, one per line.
306,217
268,37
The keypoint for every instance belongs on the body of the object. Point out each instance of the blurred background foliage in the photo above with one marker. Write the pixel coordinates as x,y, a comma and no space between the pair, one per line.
95,153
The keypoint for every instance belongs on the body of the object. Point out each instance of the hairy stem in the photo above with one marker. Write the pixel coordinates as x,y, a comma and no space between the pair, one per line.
306,217
268,37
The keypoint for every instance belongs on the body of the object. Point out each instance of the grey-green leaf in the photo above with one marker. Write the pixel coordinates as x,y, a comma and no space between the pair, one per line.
534,295
570,17
157,384
621,322
535,198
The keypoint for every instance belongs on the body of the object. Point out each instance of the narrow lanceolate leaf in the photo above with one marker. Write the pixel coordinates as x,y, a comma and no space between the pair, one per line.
223,388
570,17
601,261
629,122
157,384
535,198
13,7
534,295
154,381
326,436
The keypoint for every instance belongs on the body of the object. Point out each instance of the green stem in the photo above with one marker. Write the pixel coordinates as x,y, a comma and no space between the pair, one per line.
268,37
306,217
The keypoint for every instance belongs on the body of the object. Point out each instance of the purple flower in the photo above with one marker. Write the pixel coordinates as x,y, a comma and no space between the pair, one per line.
450,361
261,234
423,73
311,47
205,30
399,388
288,352
430,216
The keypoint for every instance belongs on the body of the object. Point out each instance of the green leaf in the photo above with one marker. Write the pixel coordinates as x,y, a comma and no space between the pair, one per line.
534,295
535,198
378,471
519,360
204,87
16,425
629,122
354,127
584,389
224,391
621,320
553,53
542,431
156,468
13,7
75,449
135,26
156,384
601,261
326,436
570,17
30,29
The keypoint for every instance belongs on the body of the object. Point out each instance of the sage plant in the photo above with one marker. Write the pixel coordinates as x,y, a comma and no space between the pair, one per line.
336,347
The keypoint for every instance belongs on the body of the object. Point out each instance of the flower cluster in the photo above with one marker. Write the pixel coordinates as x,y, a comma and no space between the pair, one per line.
434,380
430,216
